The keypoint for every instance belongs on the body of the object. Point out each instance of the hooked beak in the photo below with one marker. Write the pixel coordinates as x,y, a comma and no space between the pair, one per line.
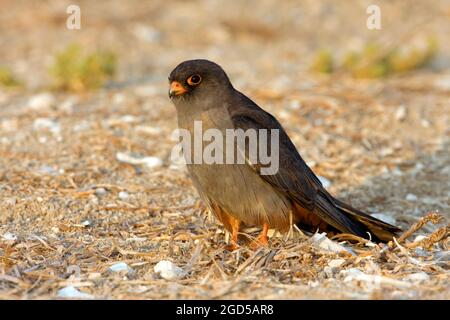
176,89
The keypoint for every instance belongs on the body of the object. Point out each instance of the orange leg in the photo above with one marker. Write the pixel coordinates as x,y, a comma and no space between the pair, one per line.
262,240
234,224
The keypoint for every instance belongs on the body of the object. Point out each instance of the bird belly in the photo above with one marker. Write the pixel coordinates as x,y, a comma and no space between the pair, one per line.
240,192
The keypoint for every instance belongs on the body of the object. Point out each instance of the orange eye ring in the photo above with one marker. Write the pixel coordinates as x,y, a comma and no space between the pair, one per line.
194,80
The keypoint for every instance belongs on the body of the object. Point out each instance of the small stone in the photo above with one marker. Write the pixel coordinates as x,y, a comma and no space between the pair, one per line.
336,263
320,240
119,98
149,130
328,271
295,105
123,195
100,191
149,162
71,292
45,169
9,236
411,197
94,275
42,124
419,276
41,101
425,123
400,113
86,223
419,238
168,270
93,199
119,267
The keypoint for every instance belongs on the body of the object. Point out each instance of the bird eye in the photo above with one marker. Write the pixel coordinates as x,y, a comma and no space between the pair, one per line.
194,80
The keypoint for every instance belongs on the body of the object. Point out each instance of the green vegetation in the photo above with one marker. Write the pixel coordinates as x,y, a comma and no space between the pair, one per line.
375,61
7,79
322,62
74,70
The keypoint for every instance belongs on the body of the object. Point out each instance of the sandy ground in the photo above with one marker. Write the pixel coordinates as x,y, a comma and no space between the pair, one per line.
70,210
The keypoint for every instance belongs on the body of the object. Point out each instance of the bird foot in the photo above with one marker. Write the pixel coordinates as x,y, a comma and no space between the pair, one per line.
259,242
232,246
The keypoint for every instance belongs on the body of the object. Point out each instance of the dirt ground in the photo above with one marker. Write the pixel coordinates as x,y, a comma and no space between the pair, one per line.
71,212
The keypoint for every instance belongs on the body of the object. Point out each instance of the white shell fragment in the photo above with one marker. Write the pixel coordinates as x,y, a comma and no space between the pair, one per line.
150,162
9,236
168,270
71,292
119,267
411,197
320,240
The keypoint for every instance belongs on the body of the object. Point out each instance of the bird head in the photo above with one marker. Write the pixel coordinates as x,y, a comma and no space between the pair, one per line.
197,79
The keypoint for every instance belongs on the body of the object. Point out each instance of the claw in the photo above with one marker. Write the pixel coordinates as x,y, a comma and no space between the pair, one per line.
262,240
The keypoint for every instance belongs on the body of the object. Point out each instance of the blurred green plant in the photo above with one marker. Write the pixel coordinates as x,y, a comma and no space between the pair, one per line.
7,79
375,61
322,62
74,70
413,58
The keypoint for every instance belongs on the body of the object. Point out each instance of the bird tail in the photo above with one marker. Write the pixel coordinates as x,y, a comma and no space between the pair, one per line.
347,219
381,230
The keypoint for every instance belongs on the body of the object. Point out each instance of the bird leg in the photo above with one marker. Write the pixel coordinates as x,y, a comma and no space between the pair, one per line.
262,239
234,224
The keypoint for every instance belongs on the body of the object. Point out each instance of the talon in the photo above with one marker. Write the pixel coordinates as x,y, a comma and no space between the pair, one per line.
262,240
258,243
231,247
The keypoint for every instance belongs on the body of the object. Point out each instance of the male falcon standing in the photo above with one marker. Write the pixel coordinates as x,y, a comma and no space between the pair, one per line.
239,193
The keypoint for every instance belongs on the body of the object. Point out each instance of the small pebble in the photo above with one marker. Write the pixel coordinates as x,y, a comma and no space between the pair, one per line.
419,276
46,124
71,292
336,263
400,113
9,236
123,195
120,266
149,162
321,240
419,238
41,101
100,191
411,197
167,270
